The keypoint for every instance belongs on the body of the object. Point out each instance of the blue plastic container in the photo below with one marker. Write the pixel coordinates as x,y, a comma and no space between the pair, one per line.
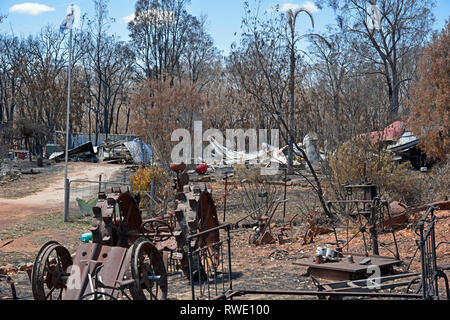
86,237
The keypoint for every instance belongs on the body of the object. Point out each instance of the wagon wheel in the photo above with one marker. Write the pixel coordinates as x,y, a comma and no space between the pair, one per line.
49,274
148,271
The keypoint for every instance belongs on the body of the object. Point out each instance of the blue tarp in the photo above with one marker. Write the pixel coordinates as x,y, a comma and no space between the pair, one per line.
140,151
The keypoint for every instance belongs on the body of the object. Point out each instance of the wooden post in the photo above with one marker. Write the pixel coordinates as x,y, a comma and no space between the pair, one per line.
225,197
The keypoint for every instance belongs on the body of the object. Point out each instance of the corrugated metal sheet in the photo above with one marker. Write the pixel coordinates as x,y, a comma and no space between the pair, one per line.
78,139
406,141
391,133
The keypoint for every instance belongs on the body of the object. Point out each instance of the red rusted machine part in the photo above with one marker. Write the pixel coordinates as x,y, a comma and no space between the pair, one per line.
107,271
114,228
182,180
160,231
399,216
263,235
195,212
128,253
286,229
178,167
119,258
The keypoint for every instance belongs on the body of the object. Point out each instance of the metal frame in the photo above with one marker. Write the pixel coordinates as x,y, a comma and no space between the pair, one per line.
102,186
427,247
325,294
374,212
204,265
359,288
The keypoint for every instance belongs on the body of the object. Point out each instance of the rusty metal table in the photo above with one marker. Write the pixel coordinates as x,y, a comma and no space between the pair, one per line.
343,270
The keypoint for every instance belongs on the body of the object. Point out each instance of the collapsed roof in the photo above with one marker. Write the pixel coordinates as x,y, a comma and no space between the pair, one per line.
86,150
135,151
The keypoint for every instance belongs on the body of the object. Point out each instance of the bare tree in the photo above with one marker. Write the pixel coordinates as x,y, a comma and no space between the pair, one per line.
200,57
12,61
388,41
260,66
159,108
347,99
159,32
108,69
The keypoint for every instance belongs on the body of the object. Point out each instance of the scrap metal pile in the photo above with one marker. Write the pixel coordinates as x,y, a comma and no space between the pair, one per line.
369,274
120,258
128,257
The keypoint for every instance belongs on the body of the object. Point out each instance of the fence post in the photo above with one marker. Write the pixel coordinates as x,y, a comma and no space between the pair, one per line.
225,197
230,274
66,200
152,192
100,183
191,266
373,230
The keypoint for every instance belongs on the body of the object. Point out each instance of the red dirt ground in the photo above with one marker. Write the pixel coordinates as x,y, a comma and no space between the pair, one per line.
46,193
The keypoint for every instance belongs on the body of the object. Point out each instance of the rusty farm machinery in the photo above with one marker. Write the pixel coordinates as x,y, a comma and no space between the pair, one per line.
127,257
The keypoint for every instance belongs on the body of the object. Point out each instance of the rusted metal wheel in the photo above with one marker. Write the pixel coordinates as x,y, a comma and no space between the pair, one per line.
50,272
148,271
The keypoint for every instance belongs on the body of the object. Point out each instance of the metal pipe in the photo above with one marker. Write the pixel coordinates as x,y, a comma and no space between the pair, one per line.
66,185
397,254
422,260
209,230
229,257
190,269
373,231
225,197
326,293
284,197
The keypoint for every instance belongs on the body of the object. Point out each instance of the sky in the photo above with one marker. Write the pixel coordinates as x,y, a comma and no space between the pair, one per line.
27,17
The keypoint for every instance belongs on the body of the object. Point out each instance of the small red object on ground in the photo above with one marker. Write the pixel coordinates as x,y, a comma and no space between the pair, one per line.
201,168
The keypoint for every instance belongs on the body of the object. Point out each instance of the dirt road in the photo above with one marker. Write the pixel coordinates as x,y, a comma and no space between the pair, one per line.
51,197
